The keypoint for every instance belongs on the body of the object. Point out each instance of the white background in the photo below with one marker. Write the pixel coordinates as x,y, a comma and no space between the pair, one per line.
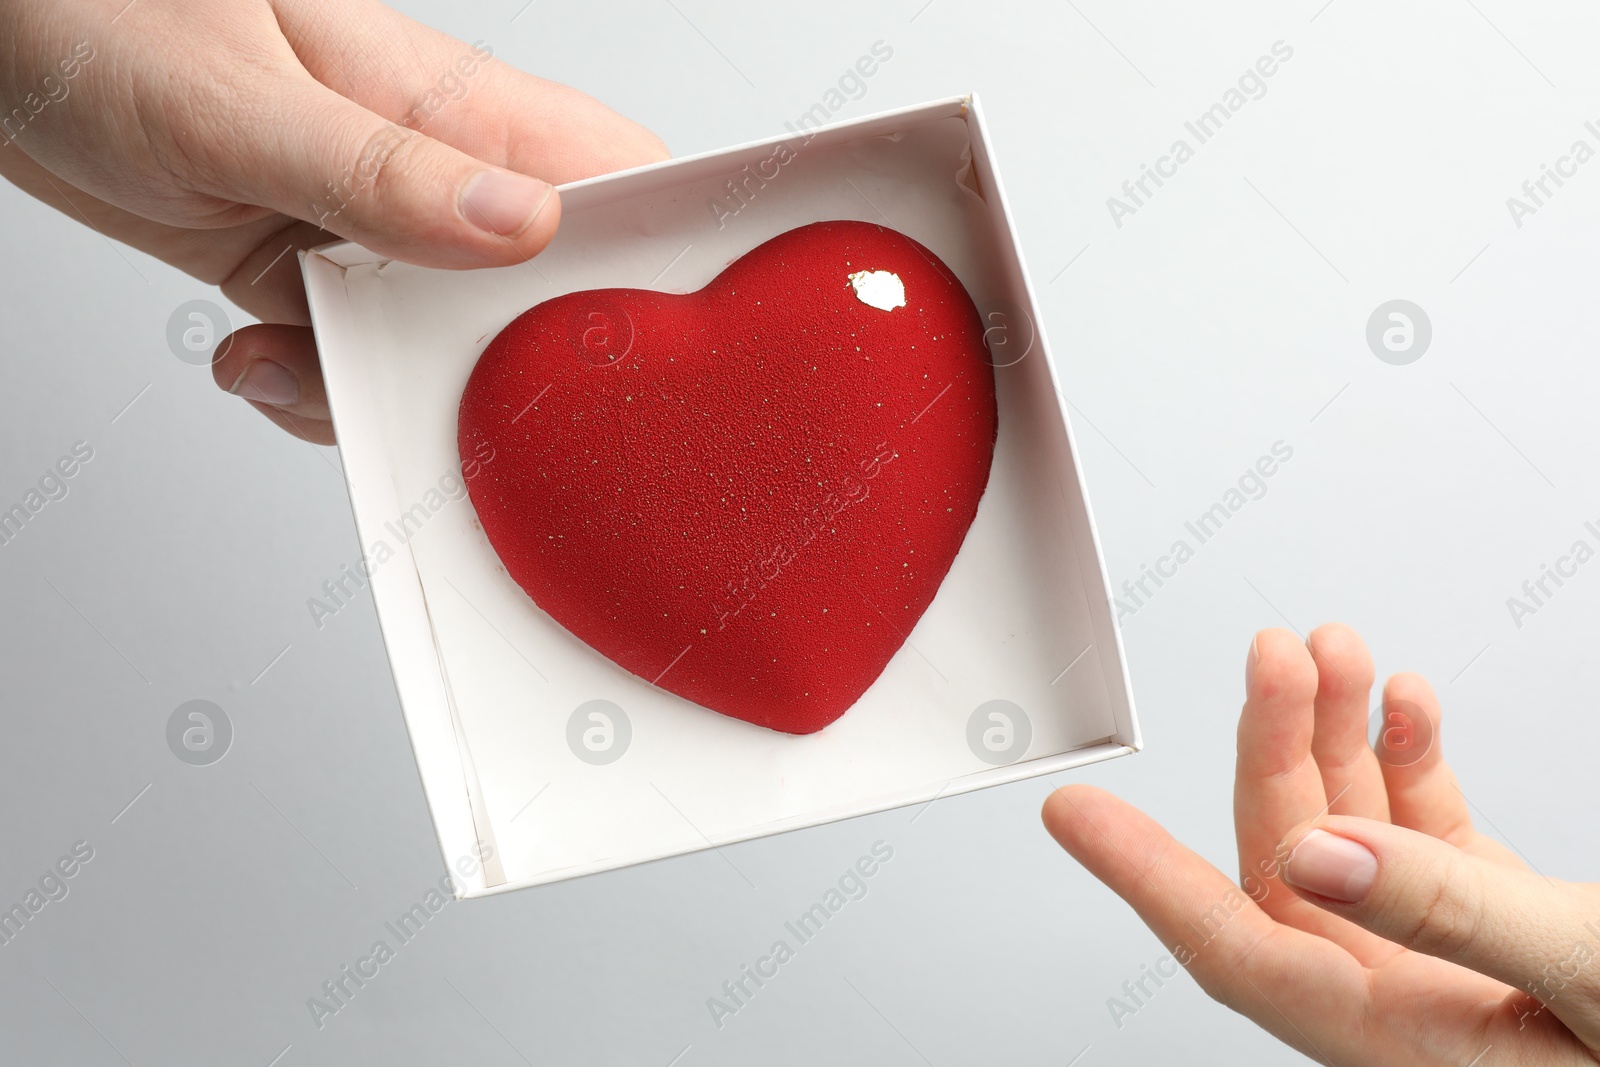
1227,314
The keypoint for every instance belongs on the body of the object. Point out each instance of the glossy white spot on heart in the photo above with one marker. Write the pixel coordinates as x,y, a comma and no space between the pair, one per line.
881,289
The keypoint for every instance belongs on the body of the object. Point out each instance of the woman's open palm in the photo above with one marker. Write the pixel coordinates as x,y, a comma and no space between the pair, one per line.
1372,924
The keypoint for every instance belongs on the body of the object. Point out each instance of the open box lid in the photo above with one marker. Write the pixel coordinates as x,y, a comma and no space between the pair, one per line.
1024,618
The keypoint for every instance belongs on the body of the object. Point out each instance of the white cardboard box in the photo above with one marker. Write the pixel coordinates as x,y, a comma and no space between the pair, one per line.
498,698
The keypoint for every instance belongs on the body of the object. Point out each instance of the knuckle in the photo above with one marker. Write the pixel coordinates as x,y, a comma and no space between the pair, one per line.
1223,970
1226,986
1449,923
373,172
190,126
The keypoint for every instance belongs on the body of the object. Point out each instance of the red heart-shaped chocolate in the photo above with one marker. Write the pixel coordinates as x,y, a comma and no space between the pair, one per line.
749,494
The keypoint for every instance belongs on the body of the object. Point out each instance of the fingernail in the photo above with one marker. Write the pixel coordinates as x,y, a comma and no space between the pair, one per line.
1331,866
1250,666
502,202
268,383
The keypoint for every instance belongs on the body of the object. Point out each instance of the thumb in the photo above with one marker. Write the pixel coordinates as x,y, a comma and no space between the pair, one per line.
317,156
1538,935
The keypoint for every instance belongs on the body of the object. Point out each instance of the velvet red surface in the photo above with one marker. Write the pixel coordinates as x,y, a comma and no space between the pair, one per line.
749,494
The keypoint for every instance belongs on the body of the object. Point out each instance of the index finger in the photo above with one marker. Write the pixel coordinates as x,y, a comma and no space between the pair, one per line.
1305,990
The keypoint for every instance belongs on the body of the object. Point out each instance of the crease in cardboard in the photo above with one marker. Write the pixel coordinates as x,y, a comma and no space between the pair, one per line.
967,175
328,274
482,826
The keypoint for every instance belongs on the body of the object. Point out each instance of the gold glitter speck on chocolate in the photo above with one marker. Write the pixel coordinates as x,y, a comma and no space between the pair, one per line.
881,289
